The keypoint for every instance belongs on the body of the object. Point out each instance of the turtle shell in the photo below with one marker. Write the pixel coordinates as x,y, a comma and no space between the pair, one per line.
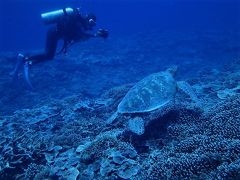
152,92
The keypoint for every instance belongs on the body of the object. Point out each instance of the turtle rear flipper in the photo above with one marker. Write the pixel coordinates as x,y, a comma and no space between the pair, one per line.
136,126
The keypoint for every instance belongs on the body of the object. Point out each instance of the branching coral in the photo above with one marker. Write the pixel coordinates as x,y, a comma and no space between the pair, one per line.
205,146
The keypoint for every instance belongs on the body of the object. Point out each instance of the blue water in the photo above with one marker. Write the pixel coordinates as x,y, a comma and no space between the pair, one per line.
195,35
21,19
145,36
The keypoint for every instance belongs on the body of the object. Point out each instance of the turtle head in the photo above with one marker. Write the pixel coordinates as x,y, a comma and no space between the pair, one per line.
173,70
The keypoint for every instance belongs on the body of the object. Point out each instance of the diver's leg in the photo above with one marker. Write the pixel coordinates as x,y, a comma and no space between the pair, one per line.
24,61
50,48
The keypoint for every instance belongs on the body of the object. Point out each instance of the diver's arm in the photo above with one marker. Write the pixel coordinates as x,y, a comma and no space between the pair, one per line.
103,33
86,35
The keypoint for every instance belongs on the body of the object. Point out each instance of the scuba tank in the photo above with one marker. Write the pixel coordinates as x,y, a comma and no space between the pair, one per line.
55,16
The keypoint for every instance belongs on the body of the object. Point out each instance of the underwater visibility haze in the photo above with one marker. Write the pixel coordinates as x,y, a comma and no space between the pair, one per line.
138,89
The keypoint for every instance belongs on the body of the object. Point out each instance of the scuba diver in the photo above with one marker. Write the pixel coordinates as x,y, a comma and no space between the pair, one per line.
71,27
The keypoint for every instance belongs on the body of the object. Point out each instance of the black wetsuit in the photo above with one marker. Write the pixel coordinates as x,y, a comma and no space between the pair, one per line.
69,29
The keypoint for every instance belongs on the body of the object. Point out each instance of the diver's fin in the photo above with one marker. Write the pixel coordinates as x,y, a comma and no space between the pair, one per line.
26,75
19,64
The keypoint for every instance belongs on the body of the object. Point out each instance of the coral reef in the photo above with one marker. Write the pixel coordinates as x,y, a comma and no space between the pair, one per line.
200,146
59,131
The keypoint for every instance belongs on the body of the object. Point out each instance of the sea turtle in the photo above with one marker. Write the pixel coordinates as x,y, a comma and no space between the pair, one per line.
156,91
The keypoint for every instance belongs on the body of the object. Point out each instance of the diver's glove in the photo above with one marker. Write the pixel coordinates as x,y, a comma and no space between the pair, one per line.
102,33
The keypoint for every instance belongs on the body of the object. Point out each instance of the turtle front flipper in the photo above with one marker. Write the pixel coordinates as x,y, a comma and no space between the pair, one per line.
187,89
112,118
